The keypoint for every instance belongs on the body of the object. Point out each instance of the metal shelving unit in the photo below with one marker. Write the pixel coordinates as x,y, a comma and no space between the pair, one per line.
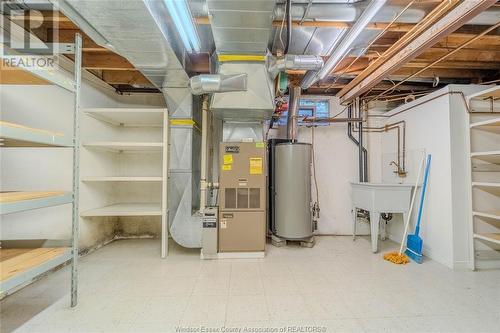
21,264
484,154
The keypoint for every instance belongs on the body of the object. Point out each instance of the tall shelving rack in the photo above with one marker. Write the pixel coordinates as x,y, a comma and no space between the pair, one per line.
124,166
21,264
484,153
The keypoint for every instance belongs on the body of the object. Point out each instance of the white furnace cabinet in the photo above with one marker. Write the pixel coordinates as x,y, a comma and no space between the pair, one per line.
438,124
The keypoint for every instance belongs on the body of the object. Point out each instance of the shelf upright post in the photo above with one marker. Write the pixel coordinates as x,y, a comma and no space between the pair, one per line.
76,170
164,197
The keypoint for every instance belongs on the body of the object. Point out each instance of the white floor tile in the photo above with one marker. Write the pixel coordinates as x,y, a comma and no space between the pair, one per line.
338,285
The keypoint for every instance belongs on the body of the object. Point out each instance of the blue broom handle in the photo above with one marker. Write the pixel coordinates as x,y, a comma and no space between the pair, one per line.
422,195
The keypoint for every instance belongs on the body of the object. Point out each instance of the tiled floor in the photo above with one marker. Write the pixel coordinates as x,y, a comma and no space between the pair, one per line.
337,286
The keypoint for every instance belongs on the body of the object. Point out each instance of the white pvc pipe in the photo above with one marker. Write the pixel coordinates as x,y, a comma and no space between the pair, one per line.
203,168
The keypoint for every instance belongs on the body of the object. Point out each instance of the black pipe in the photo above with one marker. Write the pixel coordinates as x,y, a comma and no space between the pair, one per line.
363,157
288,17
360,153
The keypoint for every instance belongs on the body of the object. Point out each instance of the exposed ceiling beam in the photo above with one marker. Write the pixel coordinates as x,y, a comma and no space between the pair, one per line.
12,75
464,32
46,15
125,77
413,47
453,64
104,60
68,36
448,73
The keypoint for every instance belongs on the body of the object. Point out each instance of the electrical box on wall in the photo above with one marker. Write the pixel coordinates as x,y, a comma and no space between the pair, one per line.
242,186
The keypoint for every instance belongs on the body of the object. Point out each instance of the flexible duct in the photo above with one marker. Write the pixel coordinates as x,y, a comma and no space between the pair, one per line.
212,83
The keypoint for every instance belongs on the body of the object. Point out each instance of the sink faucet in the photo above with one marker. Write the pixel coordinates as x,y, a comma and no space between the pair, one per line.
399,171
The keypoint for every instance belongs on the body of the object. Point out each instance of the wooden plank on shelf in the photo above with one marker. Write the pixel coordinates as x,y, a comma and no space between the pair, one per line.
16,135
30,129
16,261
27,195
17,76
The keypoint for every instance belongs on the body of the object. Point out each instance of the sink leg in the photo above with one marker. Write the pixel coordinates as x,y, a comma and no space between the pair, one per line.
383,232
374,226
354,223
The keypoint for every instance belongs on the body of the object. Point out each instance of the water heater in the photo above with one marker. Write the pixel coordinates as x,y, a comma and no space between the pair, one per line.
292,173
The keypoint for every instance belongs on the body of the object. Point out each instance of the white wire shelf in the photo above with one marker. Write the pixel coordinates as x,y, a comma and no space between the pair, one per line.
125,209
20,266
18,201
128,116
493,237
495,214
122,179
116,146
16,135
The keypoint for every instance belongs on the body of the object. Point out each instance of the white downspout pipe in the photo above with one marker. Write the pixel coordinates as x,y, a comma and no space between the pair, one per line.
204,150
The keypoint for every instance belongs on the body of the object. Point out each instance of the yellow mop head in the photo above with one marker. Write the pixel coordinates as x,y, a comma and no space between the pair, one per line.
397,258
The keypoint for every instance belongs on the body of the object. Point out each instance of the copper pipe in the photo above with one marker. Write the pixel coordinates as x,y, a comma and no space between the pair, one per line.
401,152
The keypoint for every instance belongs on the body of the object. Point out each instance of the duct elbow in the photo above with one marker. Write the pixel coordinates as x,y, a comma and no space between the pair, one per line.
216,83
296,62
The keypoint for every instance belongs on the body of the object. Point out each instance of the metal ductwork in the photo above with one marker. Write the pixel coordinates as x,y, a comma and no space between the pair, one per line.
349,11
241,27
296,62
212,83
138,31
255,103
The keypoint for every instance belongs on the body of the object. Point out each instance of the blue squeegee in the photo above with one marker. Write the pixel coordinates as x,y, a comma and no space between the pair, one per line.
414,242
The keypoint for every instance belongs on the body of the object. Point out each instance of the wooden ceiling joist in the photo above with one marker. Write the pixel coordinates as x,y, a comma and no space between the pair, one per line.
125,77
68,36
105,60
411,47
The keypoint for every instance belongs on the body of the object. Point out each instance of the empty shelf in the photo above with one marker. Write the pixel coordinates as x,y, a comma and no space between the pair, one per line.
128,116
126,209
19,266
492,125
490,237
126,146
11,202
15,135
490,214
488,156
122,179
486,184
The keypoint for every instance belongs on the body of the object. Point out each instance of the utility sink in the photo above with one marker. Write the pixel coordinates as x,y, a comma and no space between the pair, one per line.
379,198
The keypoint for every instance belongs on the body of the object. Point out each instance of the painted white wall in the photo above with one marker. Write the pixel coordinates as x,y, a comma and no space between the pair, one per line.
336,166
51,107
437,127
